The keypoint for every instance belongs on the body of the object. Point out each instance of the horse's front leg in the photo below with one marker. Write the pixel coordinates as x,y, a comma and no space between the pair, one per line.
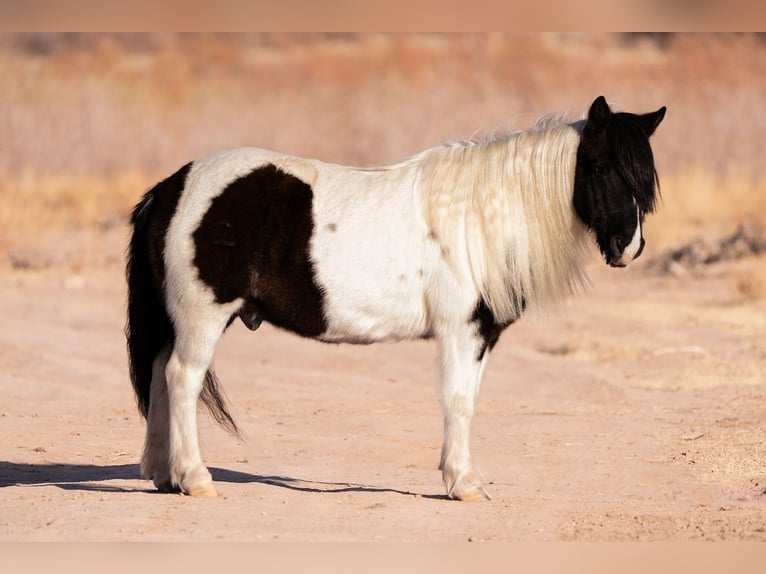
462,357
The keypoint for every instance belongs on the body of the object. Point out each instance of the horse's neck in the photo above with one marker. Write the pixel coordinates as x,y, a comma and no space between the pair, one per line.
506,206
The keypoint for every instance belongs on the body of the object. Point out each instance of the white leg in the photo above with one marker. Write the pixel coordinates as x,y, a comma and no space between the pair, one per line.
187,472
185,373
155,460
461,372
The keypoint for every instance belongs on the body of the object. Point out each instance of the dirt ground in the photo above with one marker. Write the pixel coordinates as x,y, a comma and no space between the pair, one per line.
635,414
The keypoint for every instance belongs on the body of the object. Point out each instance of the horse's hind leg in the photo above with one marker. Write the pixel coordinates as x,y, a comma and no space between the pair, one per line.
197,333
462,362
155,460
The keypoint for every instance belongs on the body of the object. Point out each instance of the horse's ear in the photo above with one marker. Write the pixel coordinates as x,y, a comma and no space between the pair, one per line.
598,115
650,121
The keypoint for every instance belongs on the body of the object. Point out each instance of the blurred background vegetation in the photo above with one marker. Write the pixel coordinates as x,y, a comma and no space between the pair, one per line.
89,121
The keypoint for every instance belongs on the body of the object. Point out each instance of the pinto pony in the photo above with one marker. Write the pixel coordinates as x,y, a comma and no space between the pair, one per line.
453,244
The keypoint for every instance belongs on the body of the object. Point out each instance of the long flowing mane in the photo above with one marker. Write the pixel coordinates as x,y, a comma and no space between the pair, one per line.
504,209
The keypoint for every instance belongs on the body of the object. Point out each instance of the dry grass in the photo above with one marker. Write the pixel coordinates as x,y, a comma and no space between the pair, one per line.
750,283
31,205
89,122
697,202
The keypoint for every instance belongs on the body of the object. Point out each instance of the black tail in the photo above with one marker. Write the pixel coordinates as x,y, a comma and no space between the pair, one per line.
149,329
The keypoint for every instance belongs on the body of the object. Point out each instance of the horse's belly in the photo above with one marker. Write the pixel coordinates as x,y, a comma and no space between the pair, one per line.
370,321
364,303
373,290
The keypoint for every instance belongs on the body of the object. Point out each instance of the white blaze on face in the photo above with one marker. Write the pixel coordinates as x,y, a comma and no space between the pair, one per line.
629,253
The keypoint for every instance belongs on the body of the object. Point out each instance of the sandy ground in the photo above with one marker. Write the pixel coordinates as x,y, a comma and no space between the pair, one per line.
636,414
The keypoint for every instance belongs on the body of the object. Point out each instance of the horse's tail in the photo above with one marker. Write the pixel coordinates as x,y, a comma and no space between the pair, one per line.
149,328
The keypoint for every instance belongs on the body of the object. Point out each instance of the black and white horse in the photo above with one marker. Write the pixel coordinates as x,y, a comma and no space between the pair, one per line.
453,243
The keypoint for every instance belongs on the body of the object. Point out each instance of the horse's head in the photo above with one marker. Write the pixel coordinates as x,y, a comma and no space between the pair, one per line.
615,179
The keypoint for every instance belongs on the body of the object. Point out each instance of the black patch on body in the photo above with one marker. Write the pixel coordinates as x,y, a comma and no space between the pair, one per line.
253,243
615,166
489,329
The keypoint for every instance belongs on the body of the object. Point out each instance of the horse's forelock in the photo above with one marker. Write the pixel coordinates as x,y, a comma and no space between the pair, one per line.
634,160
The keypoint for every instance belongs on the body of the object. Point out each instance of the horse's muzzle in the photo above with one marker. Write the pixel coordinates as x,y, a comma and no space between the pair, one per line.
615,258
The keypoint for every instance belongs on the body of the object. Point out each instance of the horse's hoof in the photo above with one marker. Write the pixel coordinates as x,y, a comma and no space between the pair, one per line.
467,489
167,487
197,482
203,490
473,494
162,482
463,486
